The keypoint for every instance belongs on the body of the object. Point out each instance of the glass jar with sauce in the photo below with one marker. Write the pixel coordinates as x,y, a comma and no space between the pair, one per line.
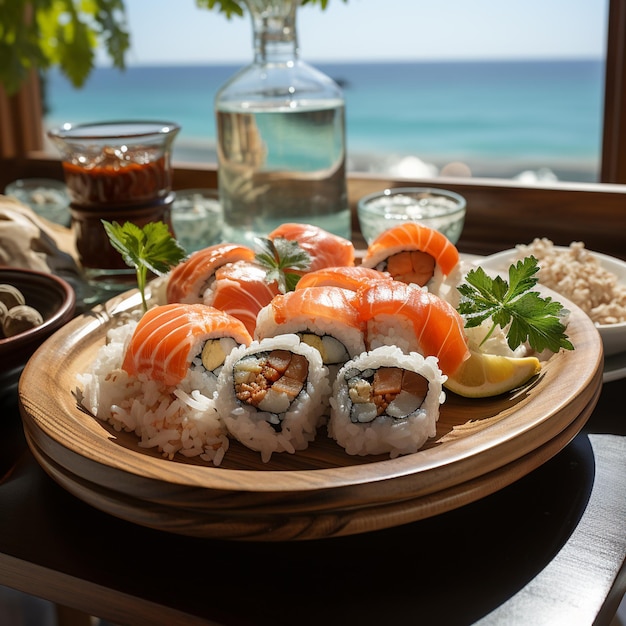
114,171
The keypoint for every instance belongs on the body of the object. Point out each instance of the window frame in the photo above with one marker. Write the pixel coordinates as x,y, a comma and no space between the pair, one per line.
501,213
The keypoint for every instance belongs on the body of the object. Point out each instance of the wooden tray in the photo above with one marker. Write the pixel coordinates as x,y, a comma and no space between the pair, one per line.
480,447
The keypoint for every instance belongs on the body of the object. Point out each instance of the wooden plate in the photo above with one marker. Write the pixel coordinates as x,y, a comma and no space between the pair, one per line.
480,447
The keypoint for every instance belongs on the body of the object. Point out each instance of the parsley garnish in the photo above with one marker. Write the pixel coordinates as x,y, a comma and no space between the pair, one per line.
283,260
150,248
529,317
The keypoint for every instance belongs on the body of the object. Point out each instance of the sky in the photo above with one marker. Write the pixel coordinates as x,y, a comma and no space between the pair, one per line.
178,32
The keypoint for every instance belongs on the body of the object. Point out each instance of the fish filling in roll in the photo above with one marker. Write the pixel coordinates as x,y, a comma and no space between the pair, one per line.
384,392
410,267
270,381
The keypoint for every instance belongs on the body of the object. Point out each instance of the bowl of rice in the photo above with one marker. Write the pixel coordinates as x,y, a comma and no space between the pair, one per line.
595,282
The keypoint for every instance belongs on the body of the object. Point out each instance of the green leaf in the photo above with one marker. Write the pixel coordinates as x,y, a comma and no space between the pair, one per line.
236,7
522,313
63,33
151,248
228,7
283,260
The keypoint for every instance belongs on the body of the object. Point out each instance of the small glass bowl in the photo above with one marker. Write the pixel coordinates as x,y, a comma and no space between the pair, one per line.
47,197
197,218
439,209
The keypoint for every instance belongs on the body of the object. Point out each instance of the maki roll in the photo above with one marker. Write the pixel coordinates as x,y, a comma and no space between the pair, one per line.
415,320
386,402
157,377
324,317
416,254
188,280
270,394
241,289
351,277
174,341
324,248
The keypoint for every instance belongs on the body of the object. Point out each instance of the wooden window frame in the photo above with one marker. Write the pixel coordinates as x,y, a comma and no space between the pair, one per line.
501,213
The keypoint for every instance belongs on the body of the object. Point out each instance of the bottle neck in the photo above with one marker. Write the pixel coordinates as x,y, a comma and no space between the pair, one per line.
274,28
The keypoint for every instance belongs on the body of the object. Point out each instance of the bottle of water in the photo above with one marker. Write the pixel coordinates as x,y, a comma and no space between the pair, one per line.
280,136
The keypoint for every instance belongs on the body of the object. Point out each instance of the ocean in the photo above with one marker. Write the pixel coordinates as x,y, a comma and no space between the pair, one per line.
499,118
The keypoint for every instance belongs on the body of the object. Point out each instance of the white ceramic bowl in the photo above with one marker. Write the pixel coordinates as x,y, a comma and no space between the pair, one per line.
613,335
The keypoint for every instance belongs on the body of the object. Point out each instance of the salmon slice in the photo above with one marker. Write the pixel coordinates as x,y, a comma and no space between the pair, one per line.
351,277
325,249
241,289
189,279
280,372
279,360
294,377
413,266
168,337
388,380
317,304
408,237
437,328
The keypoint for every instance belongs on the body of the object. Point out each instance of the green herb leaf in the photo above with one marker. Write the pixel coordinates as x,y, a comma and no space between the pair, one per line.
151,248
236,7
513,304
284,260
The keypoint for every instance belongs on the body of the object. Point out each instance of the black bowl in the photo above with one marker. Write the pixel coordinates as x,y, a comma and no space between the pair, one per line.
53,297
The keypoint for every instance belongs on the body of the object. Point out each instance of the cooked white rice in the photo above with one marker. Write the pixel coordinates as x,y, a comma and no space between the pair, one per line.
387,434
174,420
576,274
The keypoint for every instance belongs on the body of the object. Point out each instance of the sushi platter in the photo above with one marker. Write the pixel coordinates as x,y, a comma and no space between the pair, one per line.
481,446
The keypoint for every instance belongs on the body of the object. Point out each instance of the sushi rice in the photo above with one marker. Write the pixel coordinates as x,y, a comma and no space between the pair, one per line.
288,429
180,419
403,430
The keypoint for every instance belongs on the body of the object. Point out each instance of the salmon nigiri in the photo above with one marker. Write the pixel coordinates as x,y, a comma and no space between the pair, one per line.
188,280
242,290
325,249
413,253
168,338
351,277
414,319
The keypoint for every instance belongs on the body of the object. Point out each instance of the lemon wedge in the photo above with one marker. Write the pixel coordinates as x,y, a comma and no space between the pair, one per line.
486,375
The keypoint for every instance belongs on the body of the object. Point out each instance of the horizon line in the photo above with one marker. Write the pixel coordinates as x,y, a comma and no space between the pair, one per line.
353,61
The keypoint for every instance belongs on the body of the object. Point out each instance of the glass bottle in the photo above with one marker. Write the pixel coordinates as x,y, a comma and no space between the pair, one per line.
280,136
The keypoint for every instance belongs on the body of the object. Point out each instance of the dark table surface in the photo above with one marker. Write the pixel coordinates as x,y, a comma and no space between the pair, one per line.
548,549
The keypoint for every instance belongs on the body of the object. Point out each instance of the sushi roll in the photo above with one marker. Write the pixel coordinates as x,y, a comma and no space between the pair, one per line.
241,289
270,394
415,320
323,317
351,277
156,378
176,341
417,254
386,402
324,248
188,280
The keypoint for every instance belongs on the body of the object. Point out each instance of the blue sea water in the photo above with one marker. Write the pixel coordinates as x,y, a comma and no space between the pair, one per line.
498,117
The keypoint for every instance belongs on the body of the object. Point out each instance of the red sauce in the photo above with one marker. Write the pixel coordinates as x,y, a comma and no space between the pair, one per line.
118,182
